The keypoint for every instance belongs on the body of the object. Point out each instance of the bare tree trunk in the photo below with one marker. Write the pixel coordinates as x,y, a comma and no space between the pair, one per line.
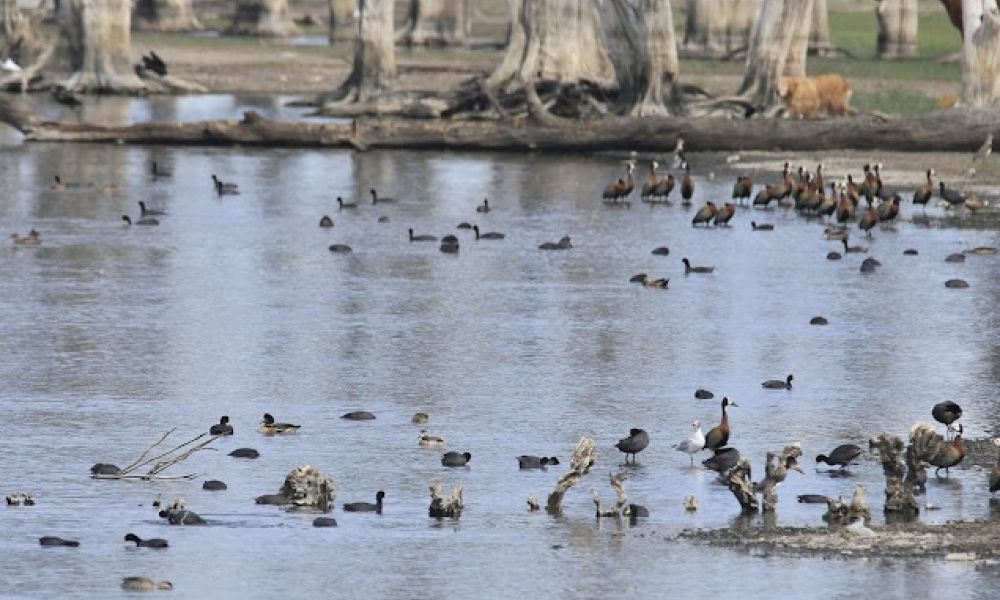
562,43
654,51
436,23
165,15
771,42
717,28
706,27
373,77
819,38
266,18
740,17
99,41
980,55
795,62
343,20
897,28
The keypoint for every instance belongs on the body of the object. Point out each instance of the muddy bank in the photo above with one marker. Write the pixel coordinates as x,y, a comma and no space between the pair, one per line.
974,540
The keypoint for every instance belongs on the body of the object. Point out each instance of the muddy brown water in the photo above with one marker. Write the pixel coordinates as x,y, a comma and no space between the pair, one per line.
233,305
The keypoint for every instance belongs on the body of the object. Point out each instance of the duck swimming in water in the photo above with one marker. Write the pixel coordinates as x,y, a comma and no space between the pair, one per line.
269,427
777,384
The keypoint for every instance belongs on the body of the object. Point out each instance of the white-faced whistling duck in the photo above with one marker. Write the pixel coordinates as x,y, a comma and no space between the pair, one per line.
845,208
841,456
922,194
778,384
621,188
718,436
879,189
742,188
888,210
689,269
869,187
57,184
724,214
853,191
951,454
705,214
649,188
687,185
636,442
664,187
868,221
765,195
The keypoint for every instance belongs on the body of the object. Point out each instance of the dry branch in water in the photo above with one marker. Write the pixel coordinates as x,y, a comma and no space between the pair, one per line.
162,461
617,484
583,458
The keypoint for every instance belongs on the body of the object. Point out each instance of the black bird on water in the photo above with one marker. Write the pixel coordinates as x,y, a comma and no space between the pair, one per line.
636,442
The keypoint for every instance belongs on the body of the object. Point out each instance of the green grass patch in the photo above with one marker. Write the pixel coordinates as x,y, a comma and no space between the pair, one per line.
894,102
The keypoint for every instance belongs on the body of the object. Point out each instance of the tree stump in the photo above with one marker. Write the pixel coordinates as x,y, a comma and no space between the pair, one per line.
739,483
980,56
21,40
165,15
265,18
435,23
644,52
897,29
343,21
775,472
307,488
900,502
441,506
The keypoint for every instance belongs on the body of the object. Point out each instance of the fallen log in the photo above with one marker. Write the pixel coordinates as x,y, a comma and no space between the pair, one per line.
953,130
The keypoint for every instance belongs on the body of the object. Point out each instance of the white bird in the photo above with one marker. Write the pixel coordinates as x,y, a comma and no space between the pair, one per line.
984,150
694,443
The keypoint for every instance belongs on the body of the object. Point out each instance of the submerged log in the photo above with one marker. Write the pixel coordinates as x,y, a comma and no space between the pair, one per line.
955,130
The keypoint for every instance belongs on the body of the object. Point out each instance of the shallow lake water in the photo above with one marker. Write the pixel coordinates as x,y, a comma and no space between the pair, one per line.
114,334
